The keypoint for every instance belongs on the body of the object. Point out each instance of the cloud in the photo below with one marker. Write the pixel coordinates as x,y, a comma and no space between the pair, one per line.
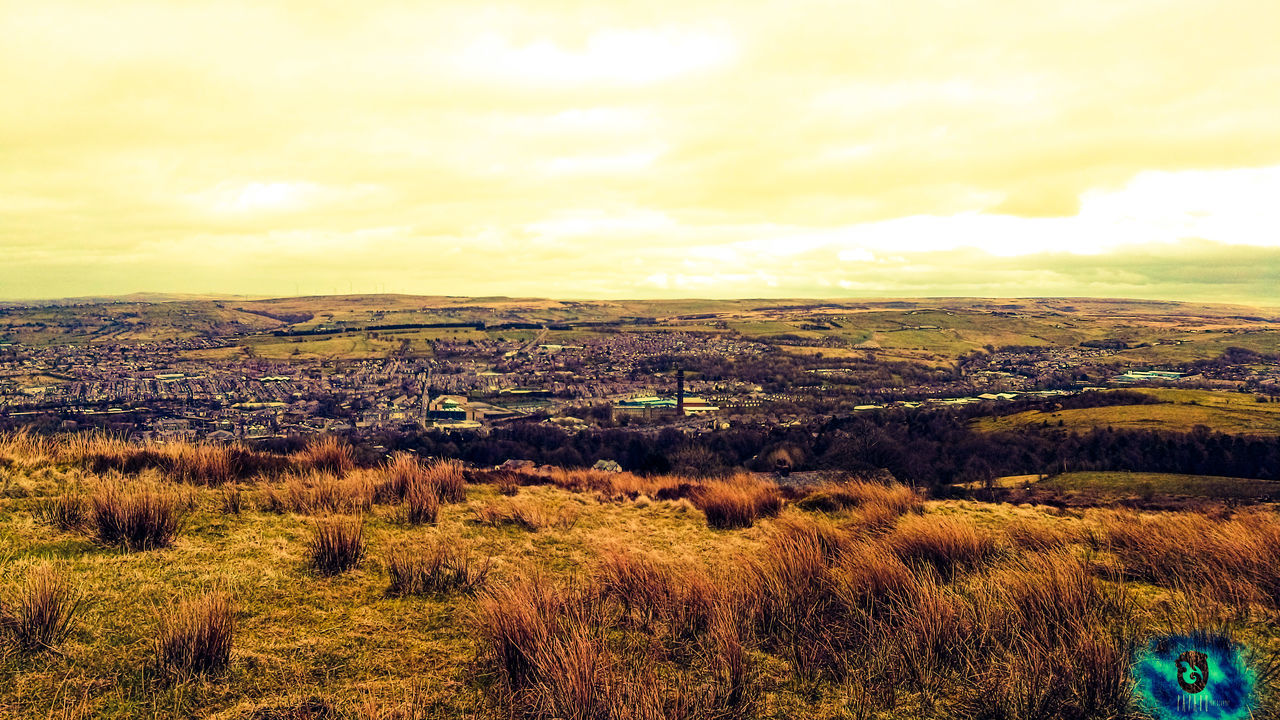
561,148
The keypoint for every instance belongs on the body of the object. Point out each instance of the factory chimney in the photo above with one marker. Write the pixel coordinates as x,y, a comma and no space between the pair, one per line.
680,391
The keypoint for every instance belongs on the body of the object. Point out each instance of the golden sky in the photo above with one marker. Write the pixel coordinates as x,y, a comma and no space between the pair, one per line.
664,148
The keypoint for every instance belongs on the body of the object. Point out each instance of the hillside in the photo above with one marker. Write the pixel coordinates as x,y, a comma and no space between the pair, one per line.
926,330
551,593
1178,411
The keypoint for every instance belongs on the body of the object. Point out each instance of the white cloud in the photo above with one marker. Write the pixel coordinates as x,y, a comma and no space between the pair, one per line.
624,56
236,198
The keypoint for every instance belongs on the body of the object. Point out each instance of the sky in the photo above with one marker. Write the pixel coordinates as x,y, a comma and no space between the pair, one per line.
659,148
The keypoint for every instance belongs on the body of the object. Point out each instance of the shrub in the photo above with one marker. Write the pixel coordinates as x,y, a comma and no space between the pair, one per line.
444,566
328,454
41,614
337,544
195,636
137,517
68,511
946,544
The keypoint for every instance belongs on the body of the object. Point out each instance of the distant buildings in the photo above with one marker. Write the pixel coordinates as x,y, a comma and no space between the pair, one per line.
1136,376
653,407
451,410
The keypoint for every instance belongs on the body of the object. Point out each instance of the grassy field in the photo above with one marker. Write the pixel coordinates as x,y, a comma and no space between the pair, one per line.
1130,484
924,329
1179,411
583,595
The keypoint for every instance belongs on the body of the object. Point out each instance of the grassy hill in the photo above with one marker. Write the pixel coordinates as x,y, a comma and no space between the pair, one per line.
217,581
1179,411
1117,484
928,330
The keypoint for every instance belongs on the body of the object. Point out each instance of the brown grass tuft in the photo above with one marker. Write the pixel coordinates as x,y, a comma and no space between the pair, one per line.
68,511
1189,549
232,499
678,596
137,517
449,480
507,483
337,544
445,565
737,502
400,473
322,493
41,614
421,503
1058,641
831,497
1038,535
946,544
527,513
195,635
327,454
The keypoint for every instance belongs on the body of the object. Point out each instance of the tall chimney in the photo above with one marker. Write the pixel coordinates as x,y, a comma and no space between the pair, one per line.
680,391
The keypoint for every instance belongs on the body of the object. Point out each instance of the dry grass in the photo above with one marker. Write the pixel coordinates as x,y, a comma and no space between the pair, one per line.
196,634
833,497
40,614
68,511
812,590
1058,641
507,483
614,487
1239,558
947,544
421,503
336,544
320,493
518,618
136,516
679,596
1037,534
443,566
194,463
327,454
26,450
449,480
737,502
402,472
526,513
864,605
232,500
